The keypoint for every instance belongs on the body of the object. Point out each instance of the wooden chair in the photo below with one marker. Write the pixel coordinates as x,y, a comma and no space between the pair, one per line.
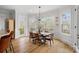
42,39
31,34
11,37
4,43
34,37
8,30
50,38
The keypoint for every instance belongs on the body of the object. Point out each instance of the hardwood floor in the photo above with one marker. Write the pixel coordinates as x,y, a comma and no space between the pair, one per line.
24,45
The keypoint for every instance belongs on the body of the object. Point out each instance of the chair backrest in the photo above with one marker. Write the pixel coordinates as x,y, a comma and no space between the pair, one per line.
4,43
11,34
52,35
8,30
31,34
34,35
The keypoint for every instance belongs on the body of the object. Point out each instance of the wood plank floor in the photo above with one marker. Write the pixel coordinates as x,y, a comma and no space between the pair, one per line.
24,45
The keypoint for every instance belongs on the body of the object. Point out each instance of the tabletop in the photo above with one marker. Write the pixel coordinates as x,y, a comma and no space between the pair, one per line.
45,33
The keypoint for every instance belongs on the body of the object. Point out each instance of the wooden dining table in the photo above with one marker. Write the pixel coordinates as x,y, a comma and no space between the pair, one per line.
45,33
42,36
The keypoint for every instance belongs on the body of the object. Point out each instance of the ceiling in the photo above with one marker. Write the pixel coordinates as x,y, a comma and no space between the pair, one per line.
31,8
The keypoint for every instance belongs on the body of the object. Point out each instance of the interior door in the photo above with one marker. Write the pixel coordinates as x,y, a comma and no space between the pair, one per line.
11,24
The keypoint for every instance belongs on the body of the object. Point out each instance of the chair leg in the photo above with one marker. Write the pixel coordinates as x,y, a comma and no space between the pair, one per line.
53,41
6,51
50,42
34,41
11,47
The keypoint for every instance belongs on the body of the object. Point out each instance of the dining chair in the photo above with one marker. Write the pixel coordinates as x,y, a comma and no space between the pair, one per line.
50,38
31,34
11,37
42,39
4,43
8,30
36,37
33,37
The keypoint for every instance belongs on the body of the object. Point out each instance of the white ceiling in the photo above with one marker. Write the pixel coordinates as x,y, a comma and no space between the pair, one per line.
31,8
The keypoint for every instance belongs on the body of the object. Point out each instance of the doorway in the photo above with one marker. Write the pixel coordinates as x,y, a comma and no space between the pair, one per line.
10,25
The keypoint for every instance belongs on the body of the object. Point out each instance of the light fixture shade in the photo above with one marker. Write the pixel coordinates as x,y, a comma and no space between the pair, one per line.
39,19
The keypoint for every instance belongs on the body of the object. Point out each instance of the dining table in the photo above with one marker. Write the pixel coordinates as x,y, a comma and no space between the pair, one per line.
45,33
42,36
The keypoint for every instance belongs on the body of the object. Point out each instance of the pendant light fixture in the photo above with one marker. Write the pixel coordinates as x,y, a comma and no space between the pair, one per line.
39,19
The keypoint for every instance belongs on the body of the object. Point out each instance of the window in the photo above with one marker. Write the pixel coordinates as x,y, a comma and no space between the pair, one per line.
21,28
66,22
47,24
33,24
